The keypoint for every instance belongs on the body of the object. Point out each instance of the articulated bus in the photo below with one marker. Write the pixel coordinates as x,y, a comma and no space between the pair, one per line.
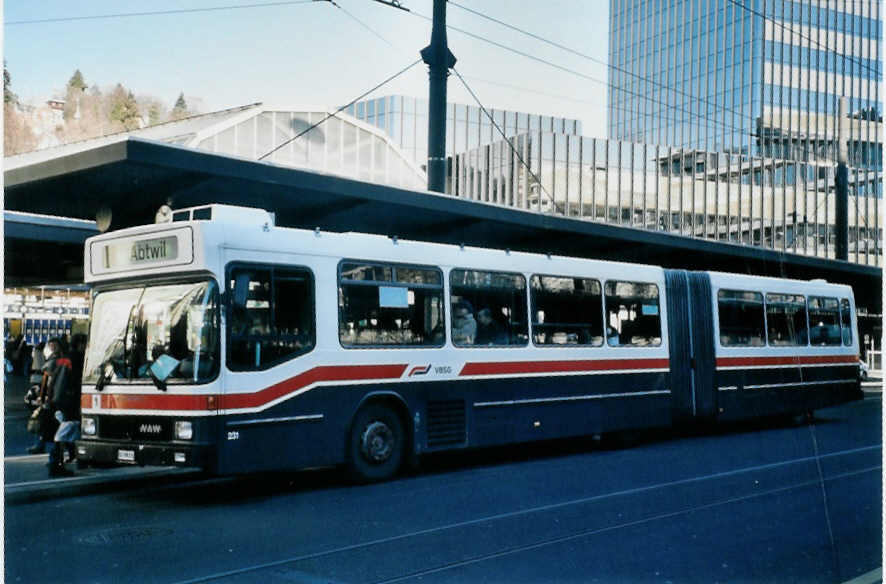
220,340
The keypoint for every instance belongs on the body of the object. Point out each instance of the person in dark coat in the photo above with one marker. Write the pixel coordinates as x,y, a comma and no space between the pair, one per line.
48,423
63,401
78,351
489,331
66,400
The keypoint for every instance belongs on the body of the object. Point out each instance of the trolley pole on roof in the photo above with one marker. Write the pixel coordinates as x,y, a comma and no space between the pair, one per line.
841,184
439,60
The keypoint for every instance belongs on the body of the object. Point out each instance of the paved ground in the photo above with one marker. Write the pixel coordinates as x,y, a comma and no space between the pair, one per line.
760,502
26,475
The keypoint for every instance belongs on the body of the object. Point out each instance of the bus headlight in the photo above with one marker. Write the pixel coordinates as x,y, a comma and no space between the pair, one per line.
88,426
184,431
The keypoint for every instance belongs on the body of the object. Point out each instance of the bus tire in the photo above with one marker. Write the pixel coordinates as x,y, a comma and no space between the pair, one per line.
375,444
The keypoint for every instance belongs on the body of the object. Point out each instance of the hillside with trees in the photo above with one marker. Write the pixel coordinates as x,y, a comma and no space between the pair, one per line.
80,112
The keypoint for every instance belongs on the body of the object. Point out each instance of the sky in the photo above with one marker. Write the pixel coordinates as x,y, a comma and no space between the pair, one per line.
312,55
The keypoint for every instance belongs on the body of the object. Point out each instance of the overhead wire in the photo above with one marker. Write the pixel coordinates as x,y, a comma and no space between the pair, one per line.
638,76
463,77
792,31
506,140
611,86
616,108
341,109
161,12
691,114
718,107
537,92
787,28
596,104
361,23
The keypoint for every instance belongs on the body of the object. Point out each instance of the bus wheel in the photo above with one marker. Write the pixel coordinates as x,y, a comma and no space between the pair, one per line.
375,445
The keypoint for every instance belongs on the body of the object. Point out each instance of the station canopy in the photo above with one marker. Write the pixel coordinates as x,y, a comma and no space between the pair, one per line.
343,175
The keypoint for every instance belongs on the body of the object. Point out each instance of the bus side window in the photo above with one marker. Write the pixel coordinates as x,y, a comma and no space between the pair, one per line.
275,319
488,309
741,320
566,311
786,320
632,314
824,321
389,305
846,317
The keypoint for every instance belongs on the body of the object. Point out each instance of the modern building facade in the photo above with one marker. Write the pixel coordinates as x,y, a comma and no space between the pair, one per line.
710,74
547,166
748,92
468,131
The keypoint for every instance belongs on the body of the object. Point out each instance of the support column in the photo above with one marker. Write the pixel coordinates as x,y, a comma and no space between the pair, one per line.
841,184
439,60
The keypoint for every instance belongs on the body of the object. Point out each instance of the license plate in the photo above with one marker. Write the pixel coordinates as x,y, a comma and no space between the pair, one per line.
126,455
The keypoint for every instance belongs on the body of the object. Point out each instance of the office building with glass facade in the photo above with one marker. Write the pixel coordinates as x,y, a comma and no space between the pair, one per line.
547,166
468,131
708,74
748,92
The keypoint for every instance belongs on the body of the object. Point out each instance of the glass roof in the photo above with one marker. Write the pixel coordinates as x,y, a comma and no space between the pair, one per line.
340,145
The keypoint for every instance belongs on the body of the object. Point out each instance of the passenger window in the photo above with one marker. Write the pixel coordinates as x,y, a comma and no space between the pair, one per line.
632,315
741,318
387,304
566,311
824,321
786,320
846,317
488,308
276,322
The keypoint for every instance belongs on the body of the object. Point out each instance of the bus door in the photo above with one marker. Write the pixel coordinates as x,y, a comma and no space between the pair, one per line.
691,340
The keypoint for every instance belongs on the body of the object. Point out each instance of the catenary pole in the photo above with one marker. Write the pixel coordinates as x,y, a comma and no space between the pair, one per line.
439,60
841,184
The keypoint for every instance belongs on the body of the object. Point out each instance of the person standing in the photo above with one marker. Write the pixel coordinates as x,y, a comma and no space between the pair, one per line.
47,422
62,402
38,359
78,351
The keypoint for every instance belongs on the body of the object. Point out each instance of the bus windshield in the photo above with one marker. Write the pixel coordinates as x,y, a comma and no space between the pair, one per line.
139,331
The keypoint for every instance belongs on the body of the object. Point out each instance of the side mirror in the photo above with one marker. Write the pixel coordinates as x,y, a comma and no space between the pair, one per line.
241,290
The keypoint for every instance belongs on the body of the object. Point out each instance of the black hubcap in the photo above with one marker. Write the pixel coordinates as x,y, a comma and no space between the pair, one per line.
377,442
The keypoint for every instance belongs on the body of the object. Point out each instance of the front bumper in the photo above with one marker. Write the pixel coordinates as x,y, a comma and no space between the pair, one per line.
146,454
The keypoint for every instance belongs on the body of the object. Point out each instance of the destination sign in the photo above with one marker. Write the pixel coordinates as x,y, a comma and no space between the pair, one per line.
122,254
130,253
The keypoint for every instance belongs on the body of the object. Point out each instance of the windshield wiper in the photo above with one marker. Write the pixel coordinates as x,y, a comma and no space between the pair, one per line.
160,370
126,350
161,385
106,370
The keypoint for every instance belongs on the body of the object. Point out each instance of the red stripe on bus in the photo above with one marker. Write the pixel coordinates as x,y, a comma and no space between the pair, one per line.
796,360
162,402
120,401
512,367
324,373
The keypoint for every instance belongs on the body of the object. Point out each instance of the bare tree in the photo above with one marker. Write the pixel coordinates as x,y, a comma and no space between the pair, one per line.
18,136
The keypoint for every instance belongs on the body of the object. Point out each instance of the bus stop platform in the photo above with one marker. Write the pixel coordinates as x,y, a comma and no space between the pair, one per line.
26,479
26,476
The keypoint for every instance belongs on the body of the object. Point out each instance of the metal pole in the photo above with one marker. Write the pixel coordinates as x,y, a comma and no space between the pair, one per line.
439,60
841,185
